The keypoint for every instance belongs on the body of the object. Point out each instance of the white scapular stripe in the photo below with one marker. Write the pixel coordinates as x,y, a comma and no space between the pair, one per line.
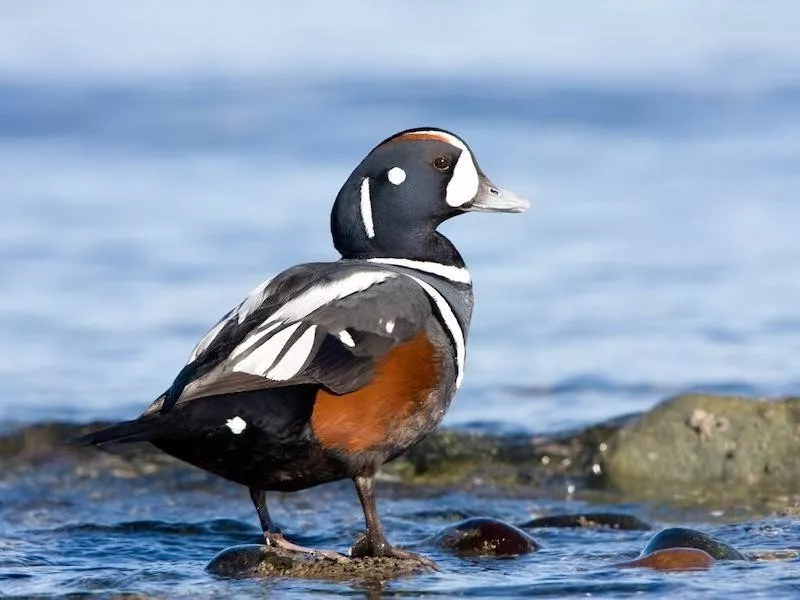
206,340
366,209
324,293
295,358
260,360
290,317
251,339
237,425
451,324
253,300
457,274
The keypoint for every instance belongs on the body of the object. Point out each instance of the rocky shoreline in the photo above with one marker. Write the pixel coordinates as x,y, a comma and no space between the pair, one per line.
690,446
690,449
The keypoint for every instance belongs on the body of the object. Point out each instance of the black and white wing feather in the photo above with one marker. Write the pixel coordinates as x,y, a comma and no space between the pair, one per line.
325,323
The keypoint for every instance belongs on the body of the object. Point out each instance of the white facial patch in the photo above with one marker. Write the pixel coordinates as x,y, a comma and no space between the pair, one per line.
366,209
237,425
463,184
396,175
389,326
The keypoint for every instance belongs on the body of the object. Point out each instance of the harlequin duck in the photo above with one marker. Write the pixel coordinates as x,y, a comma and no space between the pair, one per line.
331,369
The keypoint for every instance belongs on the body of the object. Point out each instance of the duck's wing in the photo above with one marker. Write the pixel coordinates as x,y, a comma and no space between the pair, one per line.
327,324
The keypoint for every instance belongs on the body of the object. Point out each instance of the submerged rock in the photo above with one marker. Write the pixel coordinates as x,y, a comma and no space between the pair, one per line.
698,442
597,520
482,536
681,537
671,559
263,561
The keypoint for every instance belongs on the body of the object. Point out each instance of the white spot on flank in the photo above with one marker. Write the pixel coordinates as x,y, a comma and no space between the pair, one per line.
366,209
346,338
396,175
389,326
457,274
237,425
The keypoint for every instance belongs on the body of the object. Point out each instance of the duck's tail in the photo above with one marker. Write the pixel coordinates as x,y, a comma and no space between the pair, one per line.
138,430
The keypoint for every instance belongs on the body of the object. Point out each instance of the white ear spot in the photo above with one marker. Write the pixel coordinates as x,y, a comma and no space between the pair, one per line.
389,326
237,425
396,175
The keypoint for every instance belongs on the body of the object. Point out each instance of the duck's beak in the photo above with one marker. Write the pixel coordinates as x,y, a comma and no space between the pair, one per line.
491,198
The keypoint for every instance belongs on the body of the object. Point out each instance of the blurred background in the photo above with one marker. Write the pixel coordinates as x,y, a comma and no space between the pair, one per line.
159,160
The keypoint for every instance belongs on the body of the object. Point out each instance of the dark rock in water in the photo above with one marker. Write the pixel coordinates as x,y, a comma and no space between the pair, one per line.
699,442
671,559
681,537
263,561
481,536
591,521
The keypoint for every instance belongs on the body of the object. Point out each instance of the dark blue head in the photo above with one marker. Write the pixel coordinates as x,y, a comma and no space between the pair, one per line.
410,183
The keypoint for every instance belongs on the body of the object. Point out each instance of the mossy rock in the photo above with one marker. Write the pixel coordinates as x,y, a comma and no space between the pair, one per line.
256,561
704,442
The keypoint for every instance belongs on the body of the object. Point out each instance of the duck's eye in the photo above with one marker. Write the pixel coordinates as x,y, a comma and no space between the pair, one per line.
441,163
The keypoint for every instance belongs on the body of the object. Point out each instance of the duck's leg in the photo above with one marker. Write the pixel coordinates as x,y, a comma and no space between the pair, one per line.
374,542
274,537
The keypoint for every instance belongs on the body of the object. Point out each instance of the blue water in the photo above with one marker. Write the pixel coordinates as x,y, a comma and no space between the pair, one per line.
659,253
157,162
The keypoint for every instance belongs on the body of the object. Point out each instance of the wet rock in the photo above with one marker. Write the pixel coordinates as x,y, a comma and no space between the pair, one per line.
249,561
671,559
681,537
598,520
699,442
481,536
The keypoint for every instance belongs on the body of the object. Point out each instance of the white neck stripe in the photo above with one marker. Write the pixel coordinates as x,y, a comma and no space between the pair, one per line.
457,274
366,209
